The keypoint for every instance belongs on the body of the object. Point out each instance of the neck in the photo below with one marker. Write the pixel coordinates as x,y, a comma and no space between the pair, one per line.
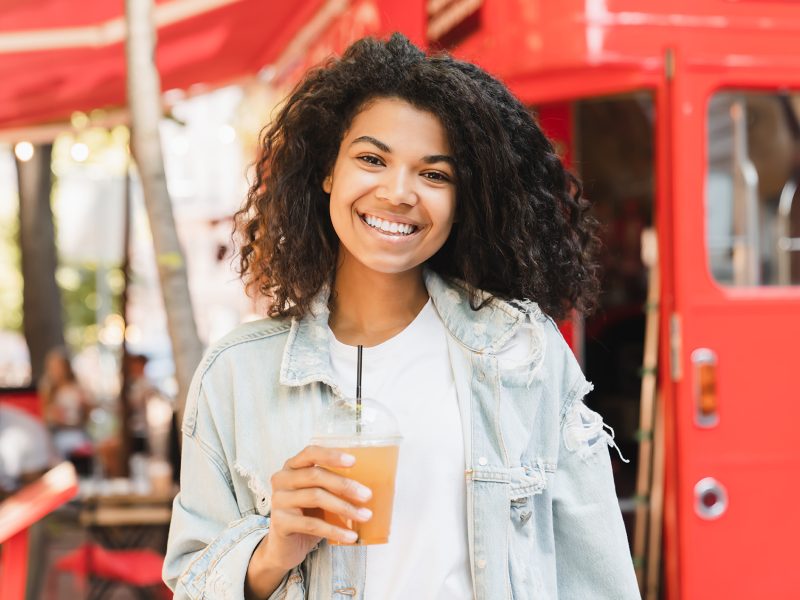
368,307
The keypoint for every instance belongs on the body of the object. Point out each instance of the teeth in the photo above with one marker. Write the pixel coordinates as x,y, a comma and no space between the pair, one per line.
389,226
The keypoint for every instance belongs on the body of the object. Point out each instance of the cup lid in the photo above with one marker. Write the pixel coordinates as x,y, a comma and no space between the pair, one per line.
343,423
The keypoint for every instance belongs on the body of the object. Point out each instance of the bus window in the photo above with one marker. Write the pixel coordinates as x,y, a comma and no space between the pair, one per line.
752,199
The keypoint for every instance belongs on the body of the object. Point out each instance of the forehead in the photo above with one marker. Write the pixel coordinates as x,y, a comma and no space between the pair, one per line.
400,126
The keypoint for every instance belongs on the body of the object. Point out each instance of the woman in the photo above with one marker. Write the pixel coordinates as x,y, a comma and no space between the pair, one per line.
65,404
409,204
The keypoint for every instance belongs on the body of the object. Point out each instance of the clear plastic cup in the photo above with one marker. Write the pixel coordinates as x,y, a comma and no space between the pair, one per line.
372,436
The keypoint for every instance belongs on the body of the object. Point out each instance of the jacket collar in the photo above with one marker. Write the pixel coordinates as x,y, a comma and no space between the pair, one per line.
306,357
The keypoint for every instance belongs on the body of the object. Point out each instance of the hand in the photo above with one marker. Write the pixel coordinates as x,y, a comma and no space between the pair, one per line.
300,491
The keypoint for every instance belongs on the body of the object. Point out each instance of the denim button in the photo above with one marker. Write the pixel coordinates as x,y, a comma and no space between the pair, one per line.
482,461
481,563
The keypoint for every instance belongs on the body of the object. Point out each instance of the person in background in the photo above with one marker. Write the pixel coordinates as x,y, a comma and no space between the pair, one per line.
25,449
65,405
139,391
151,413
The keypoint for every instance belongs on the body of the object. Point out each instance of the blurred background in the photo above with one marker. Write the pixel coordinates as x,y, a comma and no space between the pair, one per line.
119,177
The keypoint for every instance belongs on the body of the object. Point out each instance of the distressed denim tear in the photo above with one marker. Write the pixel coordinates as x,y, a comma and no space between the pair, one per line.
263,498
584,432
524,370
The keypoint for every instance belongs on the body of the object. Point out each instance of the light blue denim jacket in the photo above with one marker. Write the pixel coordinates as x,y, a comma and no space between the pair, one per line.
543,520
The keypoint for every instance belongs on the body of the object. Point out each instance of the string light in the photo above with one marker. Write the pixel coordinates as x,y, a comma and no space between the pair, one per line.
79,152
24,151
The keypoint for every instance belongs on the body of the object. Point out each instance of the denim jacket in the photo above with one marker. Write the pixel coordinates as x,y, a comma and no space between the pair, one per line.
543,517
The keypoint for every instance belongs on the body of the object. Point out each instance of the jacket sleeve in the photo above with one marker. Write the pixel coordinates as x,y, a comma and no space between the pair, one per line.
210,540
593,558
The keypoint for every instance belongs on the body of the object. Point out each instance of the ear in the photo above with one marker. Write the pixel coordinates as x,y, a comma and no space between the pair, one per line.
327,184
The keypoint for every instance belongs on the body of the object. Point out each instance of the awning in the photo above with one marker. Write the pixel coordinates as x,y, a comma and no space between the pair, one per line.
58,56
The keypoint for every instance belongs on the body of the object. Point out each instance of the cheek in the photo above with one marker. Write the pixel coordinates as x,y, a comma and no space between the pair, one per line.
443,212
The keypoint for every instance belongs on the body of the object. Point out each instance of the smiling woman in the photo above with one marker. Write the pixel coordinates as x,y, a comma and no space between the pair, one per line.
407,205
392,191
521,228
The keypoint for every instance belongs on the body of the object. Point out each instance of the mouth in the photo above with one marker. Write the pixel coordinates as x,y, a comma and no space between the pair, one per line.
387,227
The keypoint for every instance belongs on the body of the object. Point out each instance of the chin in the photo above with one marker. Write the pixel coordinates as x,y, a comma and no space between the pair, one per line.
390,267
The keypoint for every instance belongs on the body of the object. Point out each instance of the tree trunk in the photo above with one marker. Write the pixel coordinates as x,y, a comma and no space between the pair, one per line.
144,100
126,435
41,300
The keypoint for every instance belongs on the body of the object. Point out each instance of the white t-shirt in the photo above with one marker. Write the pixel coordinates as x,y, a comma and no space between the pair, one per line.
427,556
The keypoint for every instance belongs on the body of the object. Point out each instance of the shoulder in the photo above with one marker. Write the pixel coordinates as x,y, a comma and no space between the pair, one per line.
244,359
540,346
566,380
247,339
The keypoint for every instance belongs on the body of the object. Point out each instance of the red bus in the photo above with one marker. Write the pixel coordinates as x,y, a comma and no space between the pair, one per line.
683,117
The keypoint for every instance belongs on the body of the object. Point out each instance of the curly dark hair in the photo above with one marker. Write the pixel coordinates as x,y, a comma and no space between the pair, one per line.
522,231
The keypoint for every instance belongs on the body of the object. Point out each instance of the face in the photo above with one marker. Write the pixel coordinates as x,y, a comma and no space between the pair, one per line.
392,189
55,367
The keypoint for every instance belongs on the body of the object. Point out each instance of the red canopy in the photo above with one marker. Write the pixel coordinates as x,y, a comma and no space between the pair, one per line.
58,56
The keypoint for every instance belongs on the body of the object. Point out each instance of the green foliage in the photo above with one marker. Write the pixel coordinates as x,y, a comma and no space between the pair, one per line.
81,297
10,274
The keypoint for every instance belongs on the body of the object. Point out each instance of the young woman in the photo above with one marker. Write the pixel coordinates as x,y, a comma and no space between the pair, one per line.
409,204
65,403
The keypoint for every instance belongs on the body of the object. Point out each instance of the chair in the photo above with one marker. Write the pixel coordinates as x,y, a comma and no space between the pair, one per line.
138,569
115,554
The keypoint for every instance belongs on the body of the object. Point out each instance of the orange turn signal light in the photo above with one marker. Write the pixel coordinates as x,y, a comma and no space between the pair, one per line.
704,365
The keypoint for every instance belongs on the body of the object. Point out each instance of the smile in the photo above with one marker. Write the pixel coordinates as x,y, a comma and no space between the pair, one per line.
389,227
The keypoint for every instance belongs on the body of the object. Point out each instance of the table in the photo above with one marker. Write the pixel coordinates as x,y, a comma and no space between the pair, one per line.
121,515
19,512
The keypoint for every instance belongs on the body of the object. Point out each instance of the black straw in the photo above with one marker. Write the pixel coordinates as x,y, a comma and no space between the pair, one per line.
358,389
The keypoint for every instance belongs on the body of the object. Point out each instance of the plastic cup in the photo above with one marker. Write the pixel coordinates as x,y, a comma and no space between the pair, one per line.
373,438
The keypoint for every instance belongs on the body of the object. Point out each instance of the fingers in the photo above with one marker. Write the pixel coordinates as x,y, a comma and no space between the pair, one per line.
320,478
317,455
304,488
295,478
290,523
317,498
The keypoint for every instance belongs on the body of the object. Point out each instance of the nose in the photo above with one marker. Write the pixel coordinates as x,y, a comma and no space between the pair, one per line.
398,188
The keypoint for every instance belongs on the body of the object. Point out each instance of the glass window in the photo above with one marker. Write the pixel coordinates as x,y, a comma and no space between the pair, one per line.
752,199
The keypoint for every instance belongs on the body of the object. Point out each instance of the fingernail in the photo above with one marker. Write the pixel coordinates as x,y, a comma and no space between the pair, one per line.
364,493
347,460
350,536
364,514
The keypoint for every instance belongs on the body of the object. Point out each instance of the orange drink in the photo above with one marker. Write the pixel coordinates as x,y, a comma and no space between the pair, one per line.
375,468
366,429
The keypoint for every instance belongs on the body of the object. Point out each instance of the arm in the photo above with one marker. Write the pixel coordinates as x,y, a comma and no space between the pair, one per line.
216,552
210,542
592,555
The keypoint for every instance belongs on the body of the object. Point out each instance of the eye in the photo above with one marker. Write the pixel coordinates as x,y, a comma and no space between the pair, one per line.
436,176
371,159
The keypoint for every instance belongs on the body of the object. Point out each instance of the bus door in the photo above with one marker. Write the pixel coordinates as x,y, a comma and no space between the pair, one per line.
734,328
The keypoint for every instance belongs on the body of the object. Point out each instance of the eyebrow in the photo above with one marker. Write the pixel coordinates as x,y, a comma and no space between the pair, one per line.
431,159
